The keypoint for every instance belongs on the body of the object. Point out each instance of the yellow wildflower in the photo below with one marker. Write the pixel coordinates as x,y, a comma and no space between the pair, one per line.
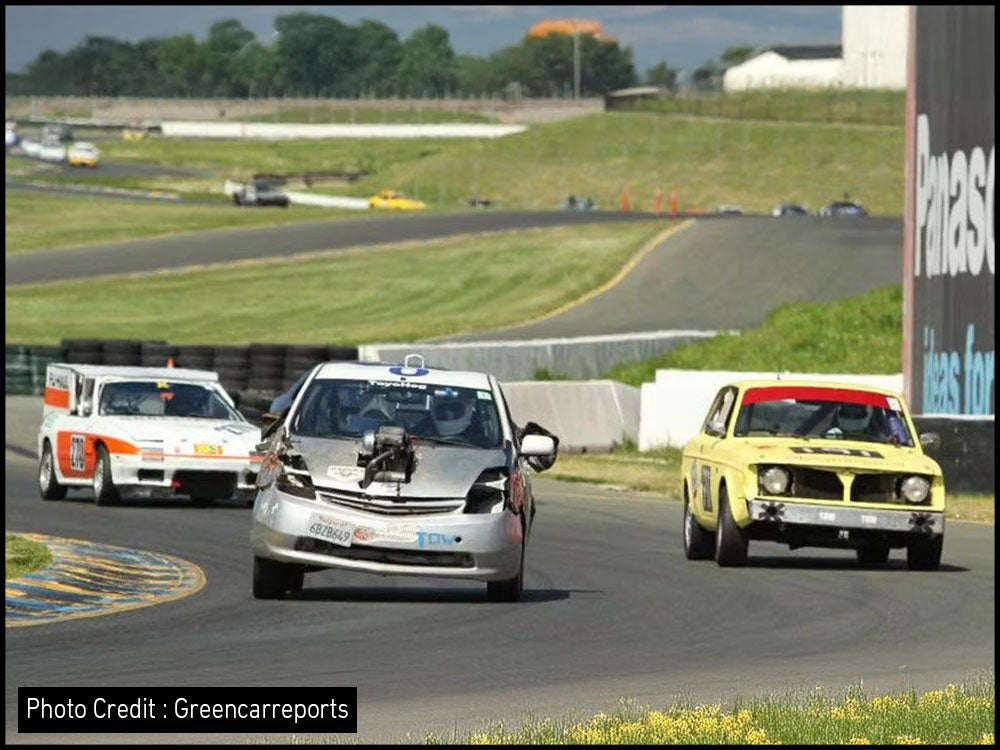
905,739
858,741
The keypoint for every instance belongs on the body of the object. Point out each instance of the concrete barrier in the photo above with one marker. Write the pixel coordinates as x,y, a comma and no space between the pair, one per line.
577,357
587,416
328,201
673,408
282,131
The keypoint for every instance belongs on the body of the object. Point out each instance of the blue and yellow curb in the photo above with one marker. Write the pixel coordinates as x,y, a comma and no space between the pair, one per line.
87,580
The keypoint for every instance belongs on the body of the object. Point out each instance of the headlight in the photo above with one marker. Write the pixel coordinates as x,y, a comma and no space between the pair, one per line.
296,484
914,489
774,480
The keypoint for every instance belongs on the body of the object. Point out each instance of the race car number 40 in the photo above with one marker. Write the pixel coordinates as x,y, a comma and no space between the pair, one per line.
330,529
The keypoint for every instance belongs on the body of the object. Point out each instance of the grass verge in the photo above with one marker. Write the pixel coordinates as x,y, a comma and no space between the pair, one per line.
753,164
326,113
88,219
962,714
398,292
23,556
854,335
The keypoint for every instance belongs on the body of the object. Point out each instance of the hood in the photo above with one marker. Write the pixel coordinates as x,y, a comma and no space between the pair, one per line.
179,435
840,455
441,470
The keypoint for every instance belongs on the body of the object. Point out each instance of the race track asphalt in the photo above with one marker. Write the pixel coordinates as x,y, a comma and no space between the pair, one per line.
730,273
612,609
222,246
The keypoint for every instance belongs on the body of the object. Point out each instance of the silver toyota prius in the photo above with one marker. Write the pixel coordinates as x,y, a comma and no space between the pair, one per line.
396,470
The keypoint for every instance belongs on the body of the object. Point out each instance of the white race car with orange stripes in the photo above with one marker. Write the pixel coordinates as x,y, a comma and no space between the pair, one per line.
143,431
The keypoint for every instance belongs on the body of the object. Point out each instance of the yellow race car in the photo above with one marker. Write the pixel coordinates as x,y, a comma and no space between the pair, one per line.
811,464
82,154
395,200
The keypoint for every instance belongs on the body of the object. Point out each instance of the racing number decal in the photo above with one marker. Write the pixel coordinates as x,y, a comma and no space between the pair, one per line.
706,488
76,446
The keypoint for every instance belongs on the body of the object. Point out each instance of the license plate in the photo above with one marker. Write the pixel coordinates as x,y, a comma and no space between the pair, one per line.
206,449
330,529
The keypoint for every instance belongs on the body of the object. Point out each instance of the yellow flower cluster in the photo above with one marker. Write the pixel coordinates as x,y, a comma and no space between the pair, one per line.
851,710
986,739
858,741
905,739
700,725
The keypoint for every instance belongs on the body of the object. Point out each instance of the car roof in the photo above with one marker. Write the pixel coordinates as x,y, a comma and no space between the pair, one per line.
174,374
745,384
400,373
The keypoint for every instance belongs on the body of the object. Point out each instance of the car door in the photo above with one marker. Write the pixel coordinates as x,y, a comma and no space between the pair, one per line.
702,465
74,446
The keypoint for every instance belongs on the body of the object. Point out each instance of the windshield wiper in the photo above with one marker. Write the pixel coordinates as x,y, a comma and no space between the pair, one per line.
444,441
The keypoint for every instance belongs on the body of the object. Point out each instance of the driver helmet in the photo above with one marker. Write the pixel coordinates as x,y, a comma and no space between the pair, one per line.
854,417
452,416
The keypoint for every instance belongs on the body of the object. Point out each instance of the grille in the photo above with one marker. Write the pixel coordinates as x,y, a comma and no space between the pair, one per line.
214,483
816,484
392,506
386,555
875,488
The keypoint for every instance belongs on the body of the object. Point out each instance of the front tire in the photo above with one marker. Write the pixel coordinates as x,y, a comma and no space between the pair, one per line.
511,589
925,553
731,542
48,485
698,543
271,579
104,486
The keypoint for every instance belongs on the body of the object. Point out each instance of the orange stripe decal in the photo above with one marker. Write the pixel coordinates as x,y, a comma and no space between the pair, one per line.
57,397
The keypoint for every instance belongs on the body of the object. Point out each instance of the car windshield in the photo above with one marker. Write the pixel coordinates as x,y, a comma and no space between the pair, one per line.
437,413
163,398
823,413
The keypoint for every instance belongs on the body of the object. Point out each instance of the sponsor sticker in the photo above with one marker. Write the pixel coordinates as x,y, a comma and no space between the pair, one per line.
207,449
826,516
869,519
894,404
484,395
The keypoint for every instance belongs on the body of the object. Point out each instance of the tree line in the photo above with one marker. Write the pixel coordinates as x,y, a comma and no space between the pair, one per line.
318,55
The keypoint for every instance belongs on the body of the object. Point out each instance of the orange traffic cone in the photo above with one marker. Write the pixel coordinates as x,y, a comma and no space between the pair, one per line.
673,202
658,201
170,361
625,206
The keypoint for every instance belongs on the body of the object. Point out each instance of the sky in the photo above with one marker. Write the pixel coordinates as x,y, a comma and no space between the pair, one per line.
683,35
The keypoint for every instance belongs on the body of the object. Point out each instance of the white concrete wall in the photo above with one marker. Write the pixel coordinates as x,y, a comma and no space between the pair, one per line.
673,408
590,416
281,131
771,70
874,38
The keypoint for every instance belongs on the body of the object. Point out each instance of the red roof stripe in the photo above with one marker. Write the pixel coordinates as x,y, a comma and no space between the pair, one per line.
814,393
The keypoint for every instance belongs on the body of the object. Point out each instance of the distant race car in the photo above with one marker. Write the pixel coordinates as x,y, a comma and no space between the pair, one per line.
729,211
395,200
83,154
843,208
396,470
143,431
260,193
811,464
789,209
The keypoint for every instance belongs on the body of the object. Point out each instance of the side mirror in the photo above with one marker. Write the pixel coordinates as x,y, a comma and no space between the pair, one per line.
540,455
717,429
930,441
537,445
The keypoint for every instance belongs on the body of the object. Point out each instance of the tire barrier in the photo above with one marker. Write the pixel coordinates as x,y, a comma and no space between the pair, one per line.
252,374
966,452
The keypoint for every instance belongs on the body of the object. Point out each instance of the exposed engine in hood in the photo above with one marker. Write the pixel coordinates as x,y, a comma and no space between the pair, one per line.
387,456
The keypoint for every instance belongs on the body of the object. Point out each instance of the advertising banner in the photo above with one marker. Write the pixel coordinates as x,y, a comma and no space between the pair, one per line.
949,261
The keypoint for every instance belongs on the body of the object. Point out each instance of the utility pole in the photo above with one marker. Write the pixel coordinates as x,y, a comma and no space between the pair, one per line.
576,63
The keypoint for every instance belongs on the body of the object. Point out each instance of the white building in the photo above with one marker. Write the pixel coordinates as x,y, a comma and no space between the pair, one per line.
874,39
872,55
812,66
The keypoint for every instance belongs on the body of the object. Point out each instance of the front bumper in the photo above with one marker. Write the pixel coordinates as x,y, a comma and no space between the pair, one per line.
919,522
142,476
480,546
